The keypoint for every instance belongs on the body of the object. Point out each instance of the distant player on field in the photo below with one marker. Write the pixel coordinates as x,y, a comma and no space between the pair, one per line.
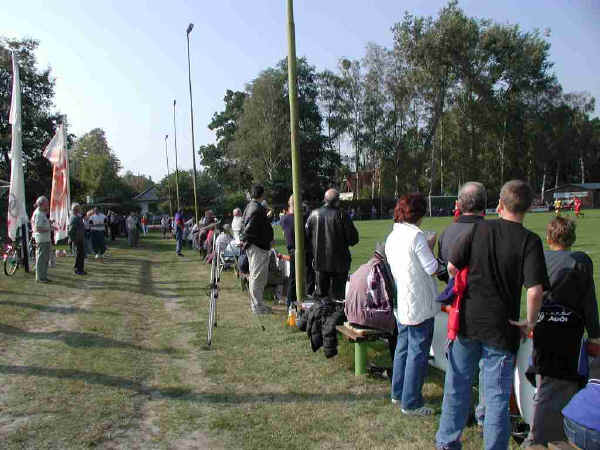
557,206
577,206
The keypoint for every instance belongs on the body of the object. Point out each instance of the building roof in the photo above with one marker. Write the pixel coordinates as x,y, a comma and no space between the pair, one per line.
588,186
591,186
149,195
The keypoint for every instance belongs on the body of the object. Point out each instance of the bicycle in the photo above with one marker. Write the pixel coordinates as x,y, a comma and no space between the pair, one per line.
214,292
13,255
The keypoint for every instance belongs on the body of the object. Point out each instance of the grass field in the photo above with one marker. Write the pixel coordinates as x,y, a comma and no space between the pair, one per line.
373,231
117,359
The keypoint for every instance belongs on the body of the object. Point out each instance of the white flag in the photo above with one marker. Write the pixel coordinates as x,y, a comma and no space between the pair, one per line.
17,213
56,153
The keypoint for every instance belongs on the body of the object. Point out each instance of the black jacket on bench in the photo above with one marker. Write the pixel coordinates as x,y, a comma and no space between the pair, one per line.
320,328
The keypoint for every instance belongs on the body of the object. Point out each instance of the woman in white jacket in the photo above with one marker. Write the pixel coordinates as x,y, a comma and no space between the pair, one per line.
411,259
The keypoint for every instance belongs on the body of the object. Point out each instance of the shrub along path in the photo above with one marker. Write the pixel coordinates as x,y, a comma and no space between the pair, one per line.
117,359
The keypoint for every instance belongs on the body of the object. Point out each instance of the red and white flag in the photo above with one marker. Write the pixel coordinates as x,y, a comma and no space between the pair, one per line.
17,213
60,199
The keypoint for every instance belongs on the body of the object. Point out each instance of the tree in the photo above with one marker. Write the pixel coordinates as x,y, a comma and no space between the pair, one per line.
219,159
209,191
138,183
262,140
352,110
39,118
96,166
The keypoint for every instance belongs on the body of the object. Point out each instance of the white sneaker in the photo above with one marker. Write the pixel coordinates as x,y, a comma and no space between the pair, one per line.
422,411
97,256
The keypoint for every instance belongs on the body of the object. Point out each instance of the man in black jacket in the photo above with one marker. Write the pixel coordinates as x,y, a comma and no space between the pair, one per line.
329,232
257,235
77,236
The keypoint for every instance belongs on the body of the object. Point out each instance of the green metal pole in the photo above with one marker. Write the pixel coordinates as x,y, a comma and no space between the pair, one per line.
296,181
360,358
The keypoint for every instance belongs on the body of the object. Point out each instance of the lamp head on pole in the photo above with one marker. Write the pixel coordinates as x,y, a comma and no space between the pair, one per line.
174,101
190,28
166,136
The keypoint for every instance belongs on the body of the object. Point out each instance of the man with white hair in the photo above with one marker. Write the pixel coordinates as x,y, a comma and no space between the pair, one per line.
237,223
77,237
329,232
41,233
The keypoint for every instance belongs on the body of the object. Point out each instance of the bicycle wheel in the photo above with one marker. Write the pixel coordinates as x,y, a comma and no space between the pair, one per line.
11,263
212,307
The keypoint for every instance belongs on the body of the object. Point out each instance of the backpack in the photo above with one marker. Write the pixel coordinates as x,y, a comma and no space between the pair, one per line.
371,294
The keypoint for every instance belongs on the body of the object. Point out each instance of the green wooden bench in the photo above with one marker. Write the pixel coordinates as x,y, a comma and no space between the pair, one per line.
360,345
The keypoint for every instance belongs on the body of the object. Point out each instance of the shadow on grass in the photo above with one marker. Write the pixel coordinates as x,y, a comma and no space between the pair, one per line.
77,339
22,294
185,394
56,309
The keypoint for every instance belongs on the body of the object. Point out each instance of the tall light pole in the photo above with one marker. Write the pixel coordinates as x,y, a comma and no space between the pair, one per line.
188,31
168,177
176,167
296,181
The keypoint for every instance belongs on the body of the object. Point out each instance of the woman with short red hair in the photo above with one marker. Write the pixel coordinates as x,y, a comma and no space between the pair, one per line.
411,260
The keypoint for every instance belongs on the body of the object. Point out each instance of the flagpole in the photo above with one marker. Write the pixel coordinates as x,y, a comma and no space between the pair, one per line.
188,31
296,178
176,167
17,209
64,138
168,177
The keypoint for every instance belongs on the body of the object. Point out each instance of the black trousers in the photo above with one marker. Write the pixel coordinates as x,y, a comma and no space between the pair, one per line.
79,256
310,275
331,284
114,231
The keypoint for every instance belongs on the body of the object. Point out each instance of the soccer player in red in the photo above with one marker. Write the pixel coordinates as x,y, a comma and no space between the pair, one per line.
577,203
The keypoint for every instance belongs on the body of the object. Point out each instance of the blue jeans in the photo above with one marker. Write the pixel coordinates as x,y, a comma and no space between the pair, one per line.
179,241
480,408
497,374
410,363
582,437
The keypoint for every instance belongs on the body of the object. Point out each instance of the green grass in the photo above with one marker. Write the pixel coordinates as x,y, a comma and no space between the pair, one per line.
373,231
118,360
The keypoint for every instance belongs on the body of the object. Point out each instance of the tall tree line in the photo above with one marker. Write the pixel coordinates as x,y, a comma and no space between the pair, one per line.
456,98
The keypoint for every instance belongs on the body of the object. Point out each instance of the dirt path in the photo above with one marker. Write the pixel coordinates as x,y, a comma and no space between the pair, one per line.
105,354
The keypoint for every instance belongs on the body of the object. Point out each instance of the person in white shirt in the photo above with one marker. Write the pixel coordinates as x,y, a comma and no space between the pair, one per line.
413,265
223,239
237,224
132,223
98,225
41,233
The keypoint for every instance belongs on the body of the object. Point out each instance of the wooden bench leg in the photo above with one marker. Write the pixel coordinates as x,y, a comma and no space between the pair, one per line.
360,358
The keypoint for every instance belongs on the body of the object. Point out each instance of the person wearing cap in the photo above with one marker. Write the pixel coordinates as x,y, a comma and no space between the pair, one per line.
41,233
77,237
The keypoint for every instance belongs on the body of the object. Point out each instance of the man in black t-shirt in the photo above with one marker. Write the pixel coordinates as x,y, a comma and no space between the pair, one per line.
502,257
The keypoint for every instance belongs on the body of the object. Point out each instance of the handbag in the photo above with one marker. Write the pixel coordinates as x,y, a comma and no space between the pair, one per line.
243,262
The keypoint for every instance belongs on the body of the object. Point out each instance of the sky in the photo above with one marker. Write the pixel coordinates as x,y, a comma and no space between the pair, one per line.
119,64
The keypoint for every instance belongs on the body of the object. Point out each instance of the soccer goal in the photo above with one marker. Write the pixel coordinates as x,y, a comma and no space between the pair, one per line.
441,205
